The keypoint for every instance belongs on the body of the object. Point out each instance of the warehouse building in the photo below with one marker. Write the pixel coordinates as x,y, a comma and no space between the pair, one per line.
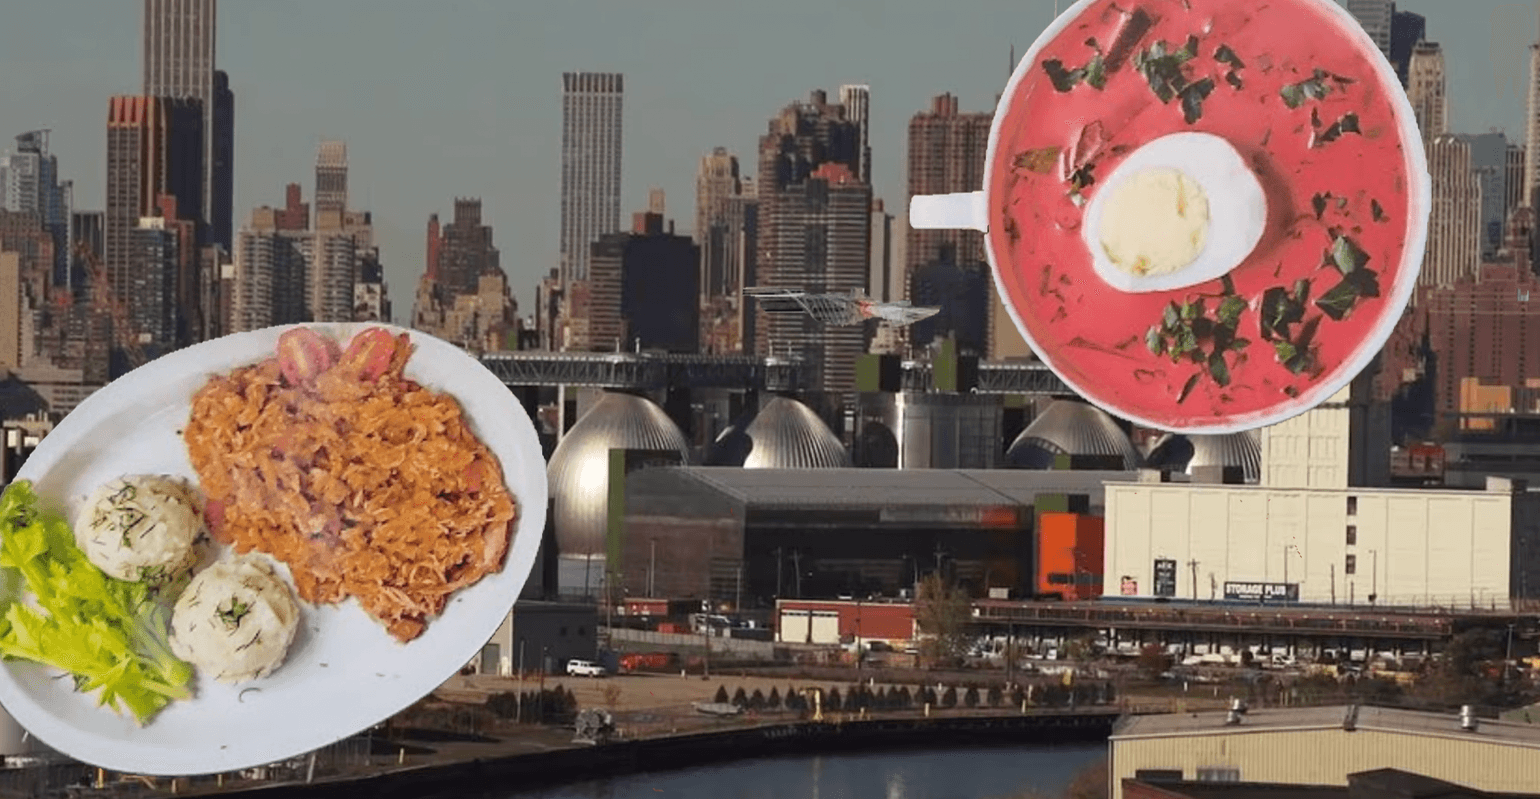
1322,746
1307,534
742,537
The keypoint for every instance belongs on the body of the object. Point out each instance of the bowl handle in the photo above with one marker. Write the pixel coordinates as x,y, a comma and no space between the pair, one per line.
966,211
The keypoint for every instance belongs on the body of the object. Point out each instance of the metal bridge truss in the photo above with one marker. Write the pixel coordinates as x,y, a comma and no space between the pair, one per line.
649,371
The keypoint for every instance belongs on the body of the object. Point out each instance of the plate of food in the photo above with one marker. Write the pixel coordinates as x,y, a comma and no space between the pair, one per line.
262,544
1205,216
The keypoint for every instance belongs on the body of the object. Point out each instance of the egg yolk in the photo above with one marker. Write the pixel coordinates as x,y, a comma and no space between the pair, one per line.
1155,222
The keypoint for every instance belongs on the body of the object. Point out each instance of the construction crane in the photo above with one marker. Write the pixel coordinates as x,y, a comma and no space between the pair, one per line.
103,296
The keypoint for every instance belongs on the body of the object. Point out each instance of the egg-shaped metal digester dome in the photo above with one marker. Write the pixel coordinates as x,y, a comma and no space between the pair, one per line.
1186,453
785,434
1068,427
579,471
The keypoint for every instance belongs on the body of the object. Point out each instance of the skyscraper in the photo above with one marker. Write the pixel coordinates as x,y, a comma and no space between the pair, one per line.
29,184
463,294
222,181
178,63
1514,189
1375,16
1532,130
1489,159
857,100
946,154
152,150
331,178
1406,30
814,229
1427,88
1454,226
590,165
716,183
269,286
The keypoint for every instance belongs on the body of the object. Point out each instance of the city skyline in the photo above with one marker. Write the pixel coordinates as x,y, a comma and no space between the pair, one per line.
494,122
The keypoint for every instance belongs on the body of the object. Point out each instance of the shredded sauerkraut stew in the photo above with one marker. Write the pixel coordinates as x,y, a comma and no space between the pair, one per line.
364,483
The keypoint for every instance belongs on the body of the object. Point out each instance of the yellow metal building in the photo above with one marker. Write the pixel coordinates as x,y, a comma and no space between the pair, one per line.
1323,745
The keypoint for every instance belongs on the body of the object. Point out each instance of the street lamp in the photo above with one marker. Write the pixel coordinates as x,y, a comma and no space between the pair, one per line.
1374,576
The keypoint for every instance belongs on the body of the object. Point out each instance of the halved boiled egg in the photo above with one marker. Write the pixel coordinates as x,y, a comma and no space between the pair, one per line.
1183,209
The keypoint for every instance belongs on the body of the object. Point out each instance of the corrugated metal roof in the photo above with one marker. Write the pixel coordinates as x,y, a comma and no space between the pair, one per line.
857,488
1071,427
579,470
785,434
1382,719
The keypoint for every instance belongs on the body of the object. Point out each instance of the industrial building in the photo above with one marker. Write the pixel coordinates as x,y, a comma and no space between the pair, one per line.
541,636
1310,533
743,537
1322,746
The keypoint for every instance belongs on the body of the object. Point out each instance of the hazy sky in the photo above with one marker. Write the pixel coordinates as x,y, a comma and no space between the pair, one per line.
462,97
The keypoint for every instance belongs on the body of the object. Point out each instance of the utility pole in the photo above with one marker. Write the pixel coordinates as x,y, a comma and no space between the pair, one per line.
1334,582
779,559
796,565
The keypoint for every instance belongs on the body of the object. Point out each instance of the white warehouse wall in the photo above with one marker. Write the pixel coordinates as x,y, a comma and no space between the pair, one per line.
1413,547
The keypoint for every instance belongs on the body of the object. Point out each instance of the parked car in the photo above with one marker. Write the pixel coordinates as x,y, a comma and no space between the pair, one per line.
584,668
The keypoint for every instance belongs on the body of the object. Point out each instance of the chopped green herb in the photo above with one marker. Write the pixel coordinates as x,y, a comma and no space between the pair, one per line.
1347,123
1377,210
1096,72
1192,99
1162,67
232,616
1281,310
1346,255
1315,87
1187,333
1224,55
1318,203
1063,79
1342,298
1082,178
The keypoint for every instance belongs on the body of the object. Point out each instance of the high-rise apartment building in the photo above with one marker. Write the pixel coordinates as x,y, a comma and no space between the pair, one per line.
152,150
269,285
717,182
463,295
1515,194
590,165
331,178
640,294
29,183
1427,88
814,233
178,63
162,302
946,155
1489,160
1375,16
857,100
1454,226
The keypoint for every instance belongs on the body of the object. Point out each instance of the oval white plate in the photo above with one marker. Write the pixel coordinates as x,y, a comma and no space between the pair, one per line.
344,673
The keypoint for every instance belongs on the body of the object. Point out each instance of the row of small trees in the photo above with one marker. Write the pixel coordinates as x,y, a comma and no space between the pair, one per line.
549,706
901,698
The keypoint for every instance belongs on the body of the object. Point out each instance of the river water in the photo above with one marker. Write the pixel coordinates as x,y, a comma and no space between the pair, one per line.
993,773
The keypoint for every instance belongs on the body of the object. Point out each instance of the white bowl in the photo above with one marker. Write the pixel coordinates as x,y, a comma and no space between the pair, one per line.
344,673
1237,209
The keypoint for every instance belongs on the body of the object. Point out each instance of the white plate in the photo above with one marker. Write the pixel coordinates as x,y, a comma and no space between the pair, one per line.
344,673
